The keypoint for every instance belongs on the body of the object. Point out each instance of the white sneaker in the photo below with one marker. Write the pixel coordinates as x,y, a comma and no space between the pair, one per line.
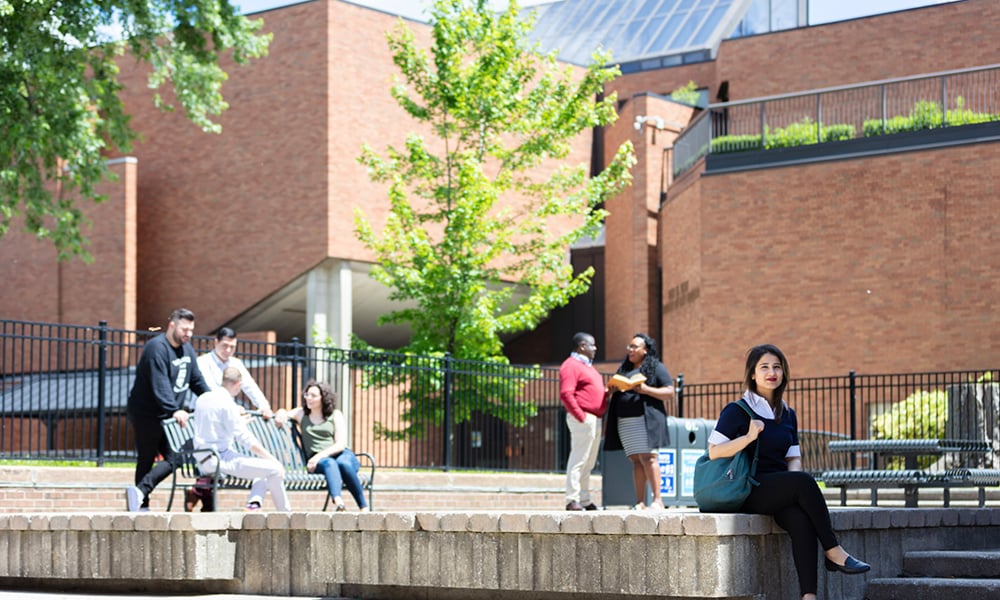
133,499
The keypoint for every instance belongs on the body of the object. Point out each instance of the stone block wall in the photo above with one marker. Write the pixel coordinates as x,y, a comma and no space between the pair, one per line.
472,555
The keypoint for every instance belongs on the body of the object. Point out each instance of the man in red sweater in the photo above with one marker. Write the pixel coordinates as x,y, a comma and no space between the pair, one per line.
583,393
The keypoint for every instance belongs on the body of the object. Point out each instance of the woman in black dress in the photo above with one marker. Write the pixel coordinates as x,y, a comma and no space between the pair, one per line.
637,417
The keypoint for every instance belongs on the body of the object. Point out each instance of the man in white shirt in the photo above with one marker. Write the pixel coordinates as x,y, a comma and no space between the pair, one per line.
218,423
213,363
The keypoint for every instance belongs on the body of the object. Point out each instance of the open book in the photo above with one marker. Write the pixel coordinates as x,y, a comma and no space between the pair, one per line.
620,382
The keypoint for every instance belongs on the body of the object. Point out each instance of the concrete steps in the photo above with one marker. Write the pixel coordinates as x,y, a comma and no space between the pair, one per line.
940,574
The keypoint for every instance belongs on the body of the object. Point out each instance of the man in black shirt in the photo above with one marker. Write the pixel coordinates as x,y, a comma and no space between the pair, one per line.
167,370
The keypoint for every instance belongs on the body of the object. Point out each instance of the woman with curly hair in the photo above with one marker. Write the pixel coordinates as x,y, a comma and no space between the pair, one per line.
637,417
324,439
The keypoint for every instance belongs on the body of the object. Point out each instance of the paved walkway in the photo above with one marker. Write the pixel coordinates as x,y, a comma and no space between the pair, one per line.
68,596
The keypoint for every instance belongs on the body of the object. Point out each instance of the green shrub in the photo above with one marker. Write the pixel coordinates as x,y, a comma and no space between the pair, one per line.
897,124
735,143
926,115
836,133
797,134
963,116
921,416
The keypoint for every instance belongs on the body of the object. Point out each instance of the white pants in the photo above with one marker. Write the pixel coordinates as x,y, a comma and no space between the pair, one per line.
267,475
585,441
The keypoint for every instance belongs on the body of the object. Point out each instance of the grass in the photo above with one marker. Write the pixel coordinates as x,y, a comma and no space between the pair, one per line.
62,463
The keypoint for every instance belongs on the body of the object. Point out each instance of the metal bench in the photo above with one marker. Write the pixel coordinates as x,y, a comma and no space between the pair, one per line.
912,477
980,478
285,443
282,442
911,481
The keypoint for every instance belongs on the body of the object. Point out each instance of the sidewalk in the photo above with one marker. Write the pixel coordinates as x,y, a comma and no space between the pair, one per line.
68,596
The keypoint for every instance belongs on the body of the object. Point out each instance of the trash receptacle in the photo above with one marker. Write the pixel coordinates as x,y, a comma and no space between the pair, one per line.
690,441
618,489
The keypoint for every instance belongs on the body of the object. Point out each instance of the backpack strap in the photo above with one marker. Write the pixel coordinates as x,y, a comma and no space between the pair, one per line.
756,450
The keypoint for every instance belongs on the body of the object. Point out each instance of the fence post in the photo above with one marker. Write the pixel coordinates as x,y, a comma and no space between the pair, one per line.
102,374
885,100
854,412
944,101
679,392
446,361
295,368
763,126
819,119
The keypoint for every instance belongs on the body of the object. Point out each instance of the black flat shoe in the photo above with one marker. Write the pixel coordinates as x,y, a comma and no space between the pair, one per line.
851,566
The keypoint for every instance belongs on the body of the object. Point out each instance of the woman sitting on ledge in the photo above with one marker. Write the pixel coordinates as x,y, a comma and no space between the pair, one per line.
785,492
324,439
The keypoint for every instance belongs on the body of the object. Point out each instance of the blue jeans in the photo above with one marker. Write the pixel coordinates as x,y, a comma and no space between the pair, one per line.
342,471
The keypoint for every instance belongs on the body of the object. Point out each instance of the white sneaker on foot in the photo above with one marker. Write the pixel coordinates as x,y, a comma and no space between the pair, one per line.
133,499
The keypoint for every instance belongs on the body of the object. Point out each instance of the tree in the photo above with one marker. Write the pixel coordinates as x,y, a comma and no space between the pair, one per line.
476,223
60,112
688,94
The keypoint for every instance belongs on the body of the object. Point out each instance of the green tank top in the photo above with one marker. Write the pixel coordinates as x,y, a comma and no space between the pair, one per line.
316,436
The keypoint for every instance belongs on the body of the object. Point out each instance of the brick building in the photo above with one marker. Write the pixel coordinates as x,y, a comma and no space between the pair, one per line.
877,263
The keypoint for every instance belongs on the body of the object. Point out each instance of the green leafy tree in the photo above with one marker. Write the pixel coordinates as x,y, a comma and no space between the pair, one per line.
60,110
688,94
476,239
469,226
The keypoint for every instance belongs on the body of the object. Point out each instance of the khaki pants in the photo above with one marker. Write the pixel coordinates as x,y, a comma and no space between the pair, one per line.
585,442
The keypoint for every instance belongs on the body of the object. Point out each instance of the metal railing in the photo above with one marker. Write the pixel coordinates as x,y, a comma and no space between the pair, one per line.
943,99
64,391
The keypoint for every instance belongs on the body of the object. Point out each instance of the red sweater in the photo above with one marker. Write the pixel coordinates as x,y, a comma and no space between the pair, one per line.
581,389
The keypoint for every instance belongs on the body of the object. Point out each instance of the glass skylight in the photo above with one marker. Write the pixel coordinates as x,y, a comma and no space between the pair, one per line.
637,31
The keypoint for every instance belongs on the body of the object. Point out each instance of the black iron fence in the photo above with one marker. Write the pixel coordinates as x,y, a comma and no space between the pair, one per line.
64,389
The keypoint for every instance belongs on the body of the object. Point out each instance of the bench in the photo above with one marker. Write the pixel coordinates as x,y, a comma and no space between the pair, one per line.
911,479
908,479
282,442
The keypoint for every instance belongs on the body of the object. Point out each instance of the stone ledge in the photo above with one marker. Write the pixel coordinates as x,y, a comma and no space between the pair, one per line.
607,522
676,554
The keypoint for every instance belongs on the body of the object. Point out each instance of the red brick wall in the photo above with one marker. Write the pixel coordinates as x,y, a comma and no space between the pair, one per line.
631,280
664,81
226,219
880,265
38,288
700,305
938,38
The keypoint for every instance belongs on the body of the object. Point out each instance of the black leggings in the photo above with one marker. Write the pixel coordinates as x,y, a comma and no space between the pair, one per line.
798,506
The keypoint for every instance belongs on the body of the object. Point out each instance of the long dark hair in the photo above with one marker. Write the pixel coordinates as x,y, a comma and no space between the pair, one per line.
649,362
753,357
328,396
